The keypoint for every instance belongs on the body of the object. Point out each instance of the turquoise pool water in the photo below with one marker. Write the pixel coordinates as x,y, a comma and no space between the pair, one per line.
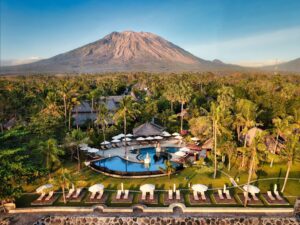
157,161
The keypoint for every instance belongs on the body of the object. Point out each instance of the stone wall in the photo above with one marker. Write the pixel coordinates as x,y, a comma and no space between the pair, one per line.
68,220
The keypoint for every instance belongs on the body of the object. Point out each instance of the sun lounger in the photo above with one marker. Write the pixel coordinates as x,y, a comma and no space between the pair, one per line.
278,196
203,195
41,197
93,195
227,193
144,195
119,192
220,194
151,195
196,196
102,147
70,193
100,194
254,197
270,195
49,196
77,193
170,195
177,194
126,193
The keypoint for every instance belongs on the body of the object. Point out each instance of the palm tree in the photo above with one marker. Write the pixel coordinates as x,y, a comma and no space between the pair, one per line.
291,152
127,109
280,125
229,148
169,168
256,152
74,139
170,94
64,179
184,94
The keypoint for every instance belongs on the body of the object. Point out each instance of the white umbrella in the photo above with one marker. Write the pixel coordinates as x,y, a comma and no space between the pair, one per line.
176,134
251,188
105,143
127,139
93,150
185,149
83,145
44,187
96,188
147,187
129,135
199,187
178,137
166,134
149,138
115,141
158,137
140,139
195,139
85,148
180,153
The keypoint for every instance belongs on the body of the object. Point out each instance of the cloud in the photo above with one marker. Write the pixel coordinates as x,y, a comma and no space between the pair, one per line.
14,62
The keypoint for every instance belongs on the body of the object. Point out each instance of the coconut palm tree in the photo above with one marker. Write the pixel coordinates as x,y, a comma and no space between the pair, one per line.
280,125
64,179
184,94
73,140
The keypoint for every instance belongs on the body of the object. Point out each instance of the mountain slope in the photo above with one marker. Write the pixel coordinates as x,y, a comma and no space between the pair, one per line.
123,51
290,66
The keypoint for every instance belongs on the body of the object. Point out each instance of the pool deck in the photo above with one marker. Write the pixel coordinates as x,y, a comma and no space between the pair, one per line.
120,151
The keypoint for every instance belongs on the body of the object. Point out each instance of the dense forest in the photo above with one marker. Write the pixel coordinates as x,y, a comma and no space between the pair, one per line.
224,107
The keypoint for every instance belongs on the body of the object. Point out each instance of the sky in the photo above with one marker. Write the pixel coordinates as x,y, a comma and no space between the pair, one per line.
253,33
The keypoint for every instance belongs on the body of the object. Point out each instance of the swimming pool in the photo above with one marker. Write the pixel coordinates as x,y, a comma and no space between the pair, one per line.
120,166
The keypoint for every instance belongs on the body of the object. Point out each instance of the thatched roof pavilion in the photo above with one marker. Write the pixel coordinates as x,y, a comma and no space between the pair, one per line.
148,129
208,144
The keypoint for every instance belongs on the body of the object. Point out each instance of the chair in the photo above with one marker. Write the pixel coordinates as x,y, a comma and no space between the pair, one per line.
100,194
77,193
278,195
196,196
151,195
93,195
126,193
144,195
49,196
177,194
70,193
220,194
119,192
254,197
227,193
270,195
170,194
203,195
41,196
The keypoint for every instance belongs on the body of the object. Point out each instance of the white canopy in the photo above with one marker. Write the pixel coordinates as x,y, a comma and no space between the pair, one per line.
158,137
93,150
195,139
129,135
147,187
105,143
127,139
176,134
96,188
43,188
149,138
115,141
199,187
184,149
251,188
178,137
83,145
85,148
140,139
119,136
180,153
166,134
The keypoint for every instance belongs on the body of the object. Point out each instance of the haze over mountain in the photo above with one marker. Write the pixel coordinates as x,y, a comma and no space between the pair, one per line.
291,66
123,51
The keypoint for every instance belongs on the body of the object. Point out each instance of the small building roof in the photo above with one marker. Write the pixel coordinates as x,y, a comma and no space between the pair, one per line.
148,129
251,134
208,144
83,107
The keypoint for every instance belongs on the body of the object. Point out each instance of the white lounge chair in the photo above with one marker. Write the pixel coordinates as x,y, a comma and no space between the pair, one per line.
151,195
170,194
49,196
278,195
119,192
177,194
126,193
196,196
70,193
144,195
93,195
254,196
100,194
77,193
270,195
41,196
227,193
220,194
203,195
